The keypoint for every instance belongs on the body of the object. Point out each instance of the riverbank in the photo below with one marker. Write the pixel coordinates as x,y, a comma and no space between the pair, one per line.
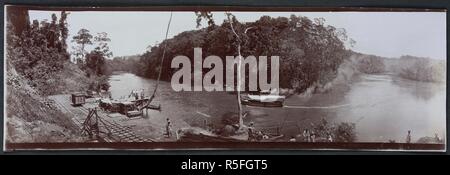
351,97
32,117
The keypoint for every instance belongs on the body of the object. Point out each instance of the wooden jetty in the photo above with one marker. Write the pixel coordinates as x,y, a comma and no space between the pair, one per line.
129,108
109,130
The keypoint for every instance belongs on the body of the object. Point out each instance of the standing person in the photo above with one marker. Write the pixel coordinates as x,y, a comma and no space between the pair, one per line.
136,95
329,139
408,137
131,94
250,132
168,128
306,135
313,136
437,138
142,94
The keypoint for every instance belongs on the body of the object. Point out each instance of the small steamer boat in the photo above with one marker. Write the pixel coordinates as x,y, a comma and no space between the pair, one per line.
263,98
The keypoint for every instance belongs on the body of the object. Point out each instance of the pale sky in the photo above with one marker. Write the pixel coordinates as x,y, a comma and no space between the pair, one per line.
388,34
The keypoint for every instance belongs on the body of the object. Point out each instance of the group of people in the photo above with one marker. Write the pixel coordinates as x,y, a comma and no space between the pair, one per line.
306,136
254,135
310,136
136,94
436,138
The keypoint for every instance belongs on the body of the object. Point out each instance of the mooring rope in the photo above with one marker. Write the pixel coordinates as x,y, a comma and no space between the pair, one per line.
162,58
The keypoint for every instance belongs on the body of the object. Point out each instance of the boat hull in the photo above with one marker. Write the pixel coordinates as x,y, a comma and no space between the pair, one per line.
262,100
262,104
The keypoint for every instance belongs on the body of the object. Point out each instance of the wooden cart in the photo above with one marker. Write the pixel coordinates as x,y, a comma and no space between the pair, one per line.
78,99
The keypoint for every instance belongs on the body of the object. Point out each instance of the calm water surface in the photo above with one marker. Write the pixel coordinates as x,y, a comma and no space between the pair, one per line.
382,106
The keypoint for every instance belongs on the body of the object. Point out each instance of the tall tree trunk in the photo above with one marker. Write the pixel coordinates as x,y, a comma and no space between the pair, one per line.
18,17
241,120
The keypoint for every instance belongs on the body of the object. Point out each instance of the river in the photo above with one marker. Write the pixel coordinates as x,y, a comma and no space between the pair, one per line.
383,107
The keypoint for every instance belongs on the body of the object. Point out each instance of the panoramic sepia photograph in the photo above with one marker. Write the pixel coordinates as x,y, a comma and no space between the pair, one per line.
369,80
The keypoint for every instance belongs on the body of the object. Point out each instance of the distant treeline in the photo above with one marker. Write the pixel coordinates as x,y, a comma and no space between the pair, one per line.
409,67
123,63
309,51
419,68
369,64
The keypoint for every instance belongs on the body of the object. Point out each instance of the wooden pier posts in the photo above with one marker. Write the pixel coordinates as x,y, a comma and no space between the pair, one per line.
91,125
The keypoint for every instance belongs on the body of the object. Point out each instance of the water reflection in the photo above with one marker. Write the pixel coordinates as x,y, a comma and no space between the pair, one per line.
421,90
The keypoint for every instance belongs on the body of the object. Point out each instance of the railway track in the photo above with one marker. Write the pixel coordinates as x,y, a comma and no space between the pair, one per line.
115,132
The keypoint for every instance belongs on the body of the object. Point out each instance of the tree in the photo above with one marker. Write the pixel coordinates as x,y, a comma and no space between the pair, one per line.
102,47
204,15
19,19
345,132
230,19
63,29
37,53
310,52
83,38
95,60
370,64
342,132
421,69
